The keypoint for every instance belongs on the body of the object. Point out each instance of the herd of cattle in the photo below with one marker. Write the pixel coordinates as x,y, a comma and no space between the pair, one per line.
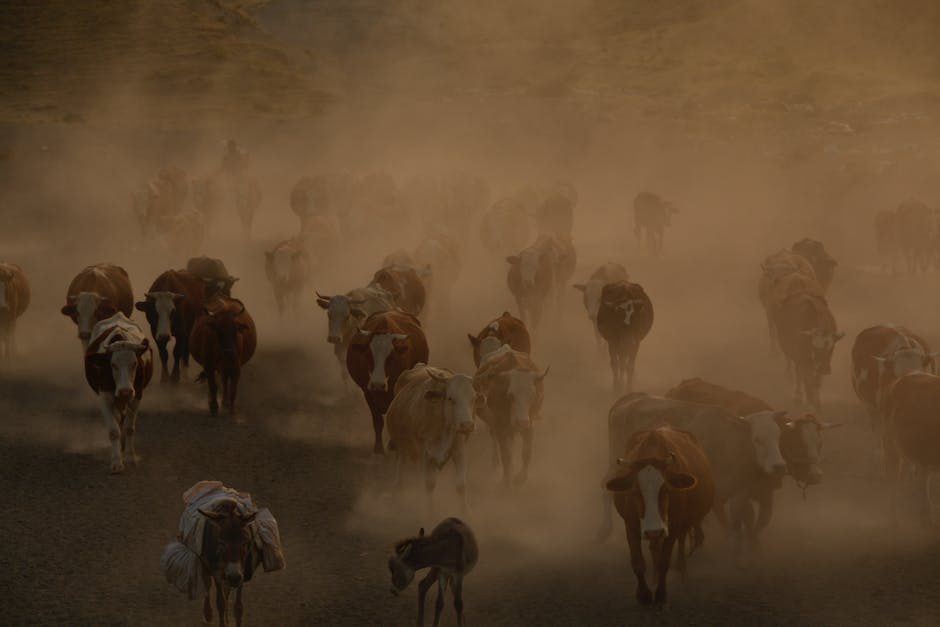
910,232
701,448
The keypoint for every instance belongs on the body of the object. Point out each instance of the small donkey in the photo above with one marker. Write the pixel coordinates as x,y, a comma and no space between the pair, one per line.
450,551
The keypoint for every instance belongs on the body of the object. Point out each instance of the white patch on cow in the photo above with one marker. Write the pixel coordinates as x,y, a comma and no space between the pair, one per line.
164,303
650,481
489,347
338,317
381,345
628,308
459,398
522,394
765,436
86,304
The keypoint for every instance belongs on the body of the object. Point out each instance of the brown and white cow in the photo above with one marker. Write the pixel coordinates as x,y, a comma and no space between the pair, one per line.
539,273
505,330
815,253
654,214
97,292
429,420
14,300
172,304
287,267
405,286
345,312
512,385
591,290
624,318
663,489
807,335
223,339
118,367
387,344
505,228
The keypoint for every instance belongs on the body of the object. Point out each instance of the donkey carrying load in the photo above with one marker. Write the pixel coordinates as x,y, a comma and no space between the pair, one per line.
223,538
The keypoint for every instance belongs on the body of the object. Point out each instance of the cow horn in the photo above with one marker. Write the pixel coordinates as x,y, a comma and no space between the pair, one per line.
544,374
319,295
435,376
364,332
621,461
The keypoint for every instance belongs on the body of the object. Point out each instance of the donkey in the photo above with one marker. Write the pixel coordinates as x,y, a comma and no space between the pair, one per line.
450,552
227,558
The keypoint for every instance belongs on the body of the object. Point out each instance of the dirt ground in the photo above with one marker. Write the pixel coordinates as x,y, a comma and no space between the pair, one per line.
755,153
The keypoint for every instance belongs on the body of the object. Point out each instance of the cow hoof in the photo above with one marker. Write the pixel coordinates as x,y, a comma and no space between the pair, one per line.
134,459
644,596
378,449
117,468
214,409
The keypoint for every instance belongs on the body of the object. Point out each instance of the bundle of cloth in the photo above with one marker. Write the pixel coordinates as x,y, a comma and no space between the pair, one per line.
182,561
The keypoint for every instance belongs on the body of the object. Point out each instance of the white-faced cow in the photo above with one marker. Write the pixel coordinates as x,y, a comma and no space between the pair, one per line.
345,312
97,292
172,304
539,273
624,319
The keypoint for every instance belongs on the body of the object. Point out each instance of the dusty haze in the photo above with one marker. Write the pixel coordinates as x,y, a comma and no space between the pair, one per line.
764,121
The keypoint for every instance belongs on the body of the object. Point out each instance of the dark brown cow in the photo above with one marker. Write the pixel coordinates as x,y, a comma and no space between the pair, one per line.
223,340
213,273
506,329
97,292
14,300
172,304
405,286
807,335
663,489
815,253
118,366
387,344
654,214
624,318
591,290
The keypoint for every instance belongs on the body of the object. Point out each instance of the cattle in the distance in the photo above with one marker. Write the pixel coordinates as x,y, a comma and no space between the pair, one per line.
345,312
782,273
96,293
505,228
652,214
223,340
744,452
538,274
214,275
14,300
429,420
624,319
171,306
376,208
815,253
207,196
914,228
223,539
441,254
247,192
406,287
161,197
591,290
118,367
287,267
513,388
662,489
555,214
321,238
387,344
504,330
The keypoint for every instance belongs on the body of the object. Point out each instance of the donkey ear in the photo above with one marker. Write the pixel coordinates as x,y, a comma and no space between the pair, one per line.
211,515
421,532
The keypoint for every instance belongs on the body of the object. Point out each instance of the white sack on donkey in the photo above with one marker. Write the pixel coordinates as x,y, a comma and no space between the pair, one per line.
223,538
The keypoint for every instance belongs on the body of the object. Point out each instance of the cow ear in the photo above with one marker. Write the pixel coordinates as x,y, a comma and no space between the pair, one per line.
357,313
68,310
581,287
473,340
680,480
323,303
513,259
623,483
141,305
433,395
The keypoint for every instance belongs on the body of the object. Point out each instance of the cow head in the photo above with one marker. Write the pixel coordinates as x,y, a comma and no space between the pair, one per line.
457,399
381,347
764,429
227,327
159,308
906,361
87,308
401,564
233,541
343,313
649,484
528,262
488,346
592,296
821,345
801,446
124,357
281,262
523,389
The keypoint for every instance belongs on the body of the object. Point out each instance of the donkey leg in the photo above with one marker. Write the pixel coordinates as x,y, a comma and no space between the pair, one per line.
239,608
423,586
439,604
221,602
526,455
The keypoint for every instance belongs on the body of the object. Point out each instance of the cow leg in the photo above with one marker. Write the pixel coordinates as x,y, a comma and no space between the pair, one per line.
430,478
681,565
630,352
664,556
644,595
423,586
378,424
239,608
439,603
495,441
130,427
614,365
922,490
339,351
164,356
112,420
607,525
526,455
233,390
505,453
180,353
213,392
460,470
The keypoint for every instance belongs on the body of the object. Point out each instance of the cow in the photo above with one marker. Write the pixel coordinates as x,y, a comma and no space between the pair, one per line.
815,253
508,330
744,452
387,344
214,275
183,233
223,339
428,421
321,237
513,387
161,197
654,214
886,239
807,336
171,305
624,318
555,214
247,191
781,273
344,314
207,197
505,228
441,256
97,292
914,229
287,267
591,290
662,489
118,367
538,272
14,300
912,430
450,551
405,286
800,440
